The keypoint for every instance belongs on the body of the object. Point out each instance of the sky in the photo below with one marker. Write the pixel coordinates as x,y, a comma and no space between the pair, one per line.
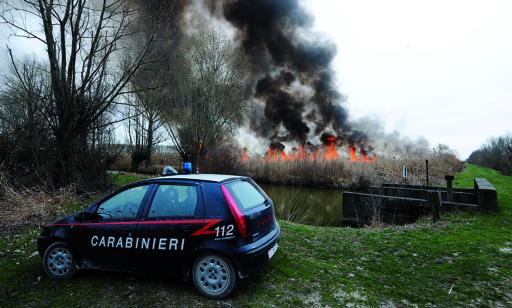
441,69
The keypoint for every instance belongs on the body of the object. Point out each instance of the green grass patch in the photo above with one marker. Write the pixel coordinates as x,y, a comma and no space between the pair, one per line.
464,260
122,179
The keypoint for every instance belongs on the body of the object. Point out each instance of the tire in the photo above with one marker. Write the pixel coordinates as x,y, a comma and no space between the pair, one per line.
214,276
59,262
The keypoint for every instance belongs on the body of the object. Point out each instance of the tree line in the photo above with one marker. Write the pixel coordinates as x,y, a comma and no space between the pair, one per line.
106,66
495,154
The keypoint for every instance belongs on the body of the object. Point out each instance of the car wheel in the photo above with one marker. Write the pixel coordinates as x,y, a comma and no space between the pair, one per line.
214,275
58,261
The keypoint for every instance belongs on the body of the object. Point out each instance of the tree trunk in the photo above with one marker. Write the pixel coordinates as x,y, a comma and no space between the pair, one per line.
149,145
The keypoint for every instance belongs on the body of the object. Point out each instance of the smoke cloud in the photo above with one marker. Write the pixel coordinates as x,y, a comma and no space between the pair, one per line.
294,95
284,54
390,144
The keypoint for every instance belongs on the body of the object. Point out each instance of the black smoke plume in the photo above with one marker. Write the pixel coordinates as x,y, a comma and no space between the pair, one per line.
284,55
274,36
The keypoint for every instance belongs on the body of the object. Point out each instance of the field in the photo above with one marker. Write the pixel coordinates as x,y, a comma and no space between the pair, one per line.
465,259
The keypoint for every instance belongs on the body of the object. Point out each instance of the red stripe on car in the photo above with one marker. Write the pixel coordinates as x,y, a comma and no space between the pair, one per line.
235,211
204,230
142,222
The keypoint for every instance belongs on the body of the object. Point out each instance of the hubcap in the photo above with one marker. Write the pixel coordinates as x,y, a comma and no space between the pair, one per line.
59,261
212,275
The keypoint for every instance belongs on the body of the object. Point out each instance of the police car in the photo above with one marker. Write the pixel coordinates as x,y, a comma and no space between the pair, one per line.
214,228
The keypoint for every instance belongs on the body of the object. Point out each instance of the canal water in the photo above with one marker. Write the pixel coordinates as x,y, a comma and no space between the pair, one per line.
307,205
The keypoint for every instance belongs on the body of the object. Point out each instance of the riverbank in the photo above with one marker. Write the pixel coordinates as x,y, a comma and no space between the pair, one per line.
465,259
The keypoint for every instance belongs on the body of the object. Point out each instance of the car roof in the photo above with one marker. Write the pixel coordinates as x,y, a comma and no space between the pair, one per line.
217,178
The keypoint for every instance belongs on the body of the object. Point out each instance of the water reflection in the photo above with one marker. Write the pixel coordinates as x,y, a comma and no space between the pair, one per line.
307,205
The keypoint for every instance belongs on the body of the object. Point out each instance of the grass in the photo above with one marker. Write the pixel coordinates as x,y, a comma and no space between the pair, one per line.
465,259
121,179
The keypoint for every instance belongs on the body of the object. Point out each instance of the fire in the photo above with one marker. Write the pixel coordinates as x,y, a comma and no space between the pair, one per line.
330,149
292,155
352,153
271,155
365,158
311,152
302,153
245,155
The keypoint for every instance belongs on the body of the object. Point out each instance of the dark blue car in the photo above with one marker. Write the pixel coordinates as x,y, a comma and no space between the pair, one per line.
213,228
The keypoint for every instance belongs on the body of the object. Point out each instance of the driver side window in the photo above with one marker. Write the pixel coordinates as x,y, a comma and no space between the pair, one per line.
124,205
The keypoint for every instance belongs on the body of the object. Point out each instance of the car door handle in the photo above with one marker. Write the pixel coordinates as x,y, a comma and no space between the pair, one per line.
125,227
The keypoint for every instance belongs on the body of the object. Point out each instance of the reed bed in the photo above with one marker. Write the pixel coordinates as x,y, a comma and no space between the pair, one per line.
345,173
21,206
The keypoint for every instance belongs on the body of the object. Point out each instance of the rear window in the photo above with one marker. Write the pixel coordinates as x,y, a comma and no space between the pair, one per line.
245,195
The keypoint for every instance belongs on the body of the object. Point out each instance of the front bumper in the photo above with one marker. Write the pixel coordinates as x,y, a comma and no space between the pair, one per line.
252,257
42,244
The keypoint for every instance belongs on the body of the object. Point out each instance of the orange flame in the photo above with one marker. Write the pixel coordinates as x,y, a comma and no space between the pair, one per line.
352,153
245,155
328,152
330,149
302,153
270,155
366,159
283,155
293,155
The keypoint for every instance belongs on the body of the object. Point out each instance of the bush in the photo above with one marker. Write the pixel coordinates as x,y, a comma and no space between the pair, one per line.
124,163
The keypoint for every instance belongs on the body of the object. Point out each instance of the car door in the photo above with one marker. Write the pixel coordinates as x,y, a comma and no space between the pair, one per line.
174,213
108,241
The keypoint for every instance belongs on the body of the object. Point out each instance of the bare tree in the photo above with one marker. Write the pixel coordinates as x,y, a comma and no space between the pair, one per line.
143,128
206,94
495,154
23,126
143,125
144,113
28,150
82,40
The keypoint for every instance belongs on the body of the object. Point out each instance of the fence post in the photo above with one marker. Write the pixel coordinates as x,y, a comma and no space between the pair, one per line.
449,187
434,202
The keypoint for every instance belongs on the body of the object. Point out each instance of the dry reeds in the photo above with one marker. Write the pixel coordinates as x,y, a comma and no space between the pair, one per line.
22,206
299,173
340,173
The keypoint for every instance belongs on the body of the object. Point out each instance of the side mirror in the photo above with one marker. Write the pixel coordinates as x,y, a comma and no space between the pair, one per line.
83,216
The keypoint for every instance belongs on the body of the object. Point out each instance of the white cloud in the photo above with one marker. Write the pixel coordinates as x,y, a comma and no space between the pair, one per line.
21,47
439,69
